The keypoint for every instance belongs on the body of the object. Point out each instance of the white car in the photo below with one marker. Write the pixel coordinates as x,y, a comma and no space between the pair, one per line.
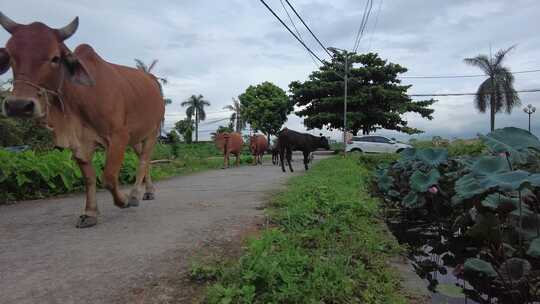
374,144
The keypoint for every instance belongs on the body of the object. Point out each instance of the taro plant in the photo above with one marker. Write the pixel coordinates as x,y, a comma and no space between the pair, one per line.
491,201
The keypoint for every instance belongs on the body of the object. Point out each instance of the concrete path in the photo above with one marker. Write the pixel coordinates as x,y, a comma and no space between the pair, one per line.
45,259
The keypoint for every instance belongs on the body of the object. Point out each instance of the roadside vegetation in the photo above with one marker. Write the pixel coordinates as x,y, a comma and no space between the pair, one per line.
326,243
471,217
33,175
455,147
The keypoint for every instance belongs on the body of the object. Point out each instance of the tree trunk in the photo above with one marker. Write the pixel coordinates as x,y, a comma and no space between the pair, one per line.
196,126
493,104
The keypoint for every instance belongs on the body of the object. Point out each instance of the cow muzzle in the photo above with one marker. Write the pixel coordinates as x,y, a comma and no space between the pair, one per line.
21,107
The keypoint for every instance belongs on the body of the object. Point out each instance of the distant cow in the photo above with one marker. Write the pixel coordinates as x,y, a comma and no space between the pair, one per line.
229,143
274,150
258,145
87,102
289,140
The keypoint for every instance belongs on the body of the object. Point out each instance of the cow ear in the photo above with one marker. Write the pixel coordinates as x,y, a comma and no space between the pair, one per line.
77,71
4,61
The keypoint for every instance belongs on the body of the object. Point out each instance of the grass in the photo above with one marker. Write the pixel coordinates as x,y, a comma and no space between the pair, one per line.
457,147
326,245
187,164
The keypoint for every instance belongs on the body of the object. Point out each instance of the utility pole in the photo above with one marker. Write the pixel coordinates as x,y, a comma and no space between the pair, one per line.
529,109
346,83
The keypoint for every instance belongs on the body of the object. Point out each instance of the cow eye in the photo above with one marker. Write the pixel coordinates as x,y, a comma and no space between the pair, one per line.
55,60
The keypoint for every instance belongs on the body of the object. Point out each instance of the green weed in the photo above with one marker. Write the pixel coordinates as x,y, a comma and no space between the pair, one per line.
328,246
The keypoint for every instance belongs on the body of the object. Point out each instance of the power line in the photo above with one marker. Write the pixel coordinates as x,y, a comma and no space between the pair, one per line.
363,24
207,113
312,34
297,31
466,94
290,31
462,76
213,121
376,22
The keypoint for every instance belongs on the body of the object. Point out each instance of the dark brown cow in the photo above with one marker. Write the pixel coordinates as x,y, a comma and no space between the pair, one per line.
229,143
289,140
258,145
86,102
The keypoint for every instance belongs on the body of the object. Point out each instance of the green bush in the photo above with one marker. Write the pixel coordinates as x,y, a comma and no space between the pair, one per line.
32,175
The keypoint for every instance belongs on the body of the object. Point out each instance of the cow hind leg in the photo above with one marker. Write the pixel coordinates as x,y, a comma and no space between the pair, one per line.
89,217
282,158
150,189
149,186
143,171
115,156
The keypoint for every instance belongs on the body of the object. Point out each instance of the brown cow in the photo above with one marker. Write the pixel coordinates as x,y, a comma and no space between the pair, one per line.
229,143
258,145
86,102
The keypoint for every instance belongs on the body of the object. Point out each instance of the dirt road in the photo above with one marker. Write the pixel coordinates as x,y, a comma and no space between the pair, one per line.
45,259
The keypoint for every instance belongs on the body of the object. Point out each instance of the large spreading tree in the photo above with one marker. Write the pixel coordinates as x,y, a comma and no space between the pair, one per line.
376,97
265,107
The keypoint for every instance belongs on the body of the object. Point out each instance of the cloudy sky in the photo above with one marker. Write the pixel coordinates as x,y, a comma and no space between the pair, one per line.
218,48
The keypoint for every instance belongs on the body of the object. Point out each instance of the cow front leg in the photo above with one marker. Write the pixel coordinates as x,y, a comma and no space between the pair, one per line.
115,157
289,159
238,159
306,159
89,217
225,160
144,162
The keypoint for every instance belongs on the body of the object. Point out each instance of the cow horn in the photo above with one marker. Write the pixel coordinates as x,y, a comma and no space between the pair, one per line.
7,23
68,30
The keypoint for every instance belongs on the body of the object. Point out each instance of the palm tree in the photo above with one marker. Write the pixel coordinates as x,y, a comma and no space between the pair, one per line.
497,91
236,120
161,81
148,69
195,106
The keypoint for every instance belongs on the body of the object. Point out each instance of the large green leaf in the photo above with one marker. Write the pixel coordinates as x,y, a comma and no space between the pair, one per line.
500,203
534,248
515,270
432,156
479,268
385,181
413,201
511,140
420,181
429,156
491,173
487,227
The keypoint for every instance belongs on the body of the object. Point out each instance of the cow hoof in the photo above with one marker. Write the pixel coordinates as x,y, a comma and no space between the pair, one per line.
86,221
148,196
133,202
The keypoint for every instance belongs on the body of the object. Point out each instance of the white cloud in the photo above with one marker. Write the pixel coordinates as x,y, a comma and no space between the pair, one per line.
218,48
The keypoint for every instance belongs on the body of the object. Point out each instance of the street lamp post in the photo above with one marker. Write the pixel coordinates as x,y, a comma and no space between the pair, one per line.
529,109
346,81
